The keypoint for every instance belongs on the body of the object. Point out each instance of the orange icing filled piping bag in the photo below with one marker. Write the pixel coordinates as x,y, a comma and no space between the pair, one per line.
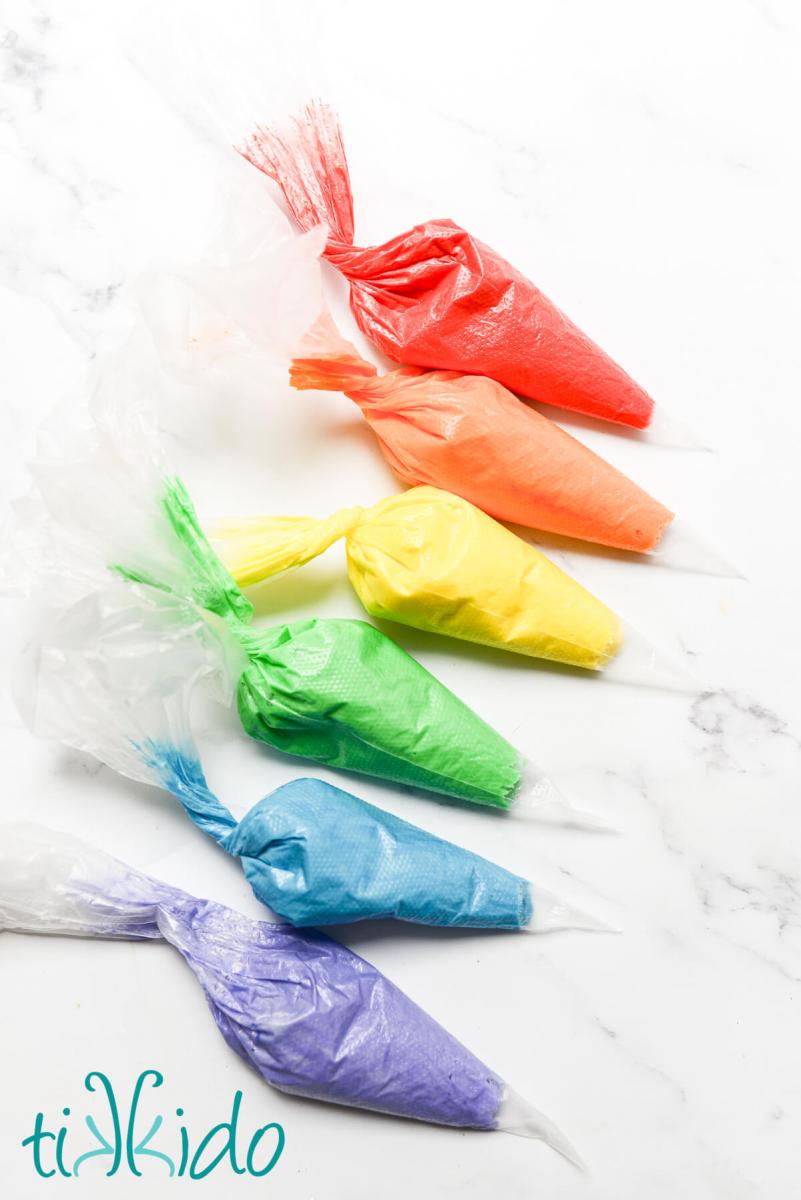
219,332
437,297
429,559
467,434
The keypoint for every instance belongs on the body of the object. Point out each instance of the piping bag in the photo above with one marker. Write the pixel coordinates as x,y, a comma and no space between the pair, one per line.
310,1016
217,328
114,677
467,434
429,559
437,297
338,692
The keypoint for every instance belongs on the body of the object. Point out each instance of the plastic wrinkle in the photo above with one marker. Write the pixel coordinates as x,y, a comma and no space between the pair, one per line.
116,667
519,1117
318,855
539,799
334,691
550,914
666,429
342,693
428,559
220,323
437,297
109,680
310,1016
684,550
468,435
642,664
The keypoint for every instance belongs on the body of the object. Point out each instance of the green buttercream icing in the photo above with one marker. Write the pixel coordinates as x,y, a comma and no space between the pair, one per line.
340,692
344,694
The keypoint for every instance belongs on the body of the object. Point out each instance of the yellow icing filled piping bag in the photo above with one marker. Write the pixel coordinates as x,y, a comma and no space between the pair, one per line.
339,692
432,560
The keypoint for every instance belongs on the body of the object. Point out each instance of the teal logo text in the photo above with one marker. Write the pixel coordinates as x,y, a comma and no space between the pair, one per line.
133,1139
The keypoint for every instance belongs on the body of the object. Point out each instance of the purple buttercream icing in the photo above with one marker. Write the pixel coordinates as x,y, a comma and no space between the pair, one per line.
311,1016
317,1020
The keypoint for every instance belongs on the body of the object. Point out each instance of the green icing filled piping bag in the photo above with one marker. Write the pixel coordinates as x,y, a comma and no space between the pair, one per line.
337,692
342,693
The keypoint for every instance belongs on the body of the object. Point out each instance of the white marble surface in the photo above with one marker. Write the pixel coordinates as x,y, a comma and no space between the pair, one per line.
641,163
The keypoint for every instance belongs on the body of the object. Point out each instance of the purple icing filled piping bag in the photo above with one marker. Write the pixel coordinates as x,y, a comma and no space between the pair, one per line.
310,1016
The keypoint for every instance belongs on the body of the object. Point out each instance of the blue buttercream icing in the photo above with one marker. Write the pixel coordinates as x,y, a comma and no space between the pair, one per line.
320,856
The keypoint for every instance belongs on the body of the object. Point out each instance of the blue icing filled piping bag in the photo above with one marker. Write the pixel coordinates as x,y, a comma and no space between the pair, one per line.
114,676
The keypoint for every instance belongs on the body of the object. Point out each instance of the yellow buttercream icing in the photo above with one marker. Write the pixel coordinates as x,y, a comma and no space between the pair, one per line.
429,559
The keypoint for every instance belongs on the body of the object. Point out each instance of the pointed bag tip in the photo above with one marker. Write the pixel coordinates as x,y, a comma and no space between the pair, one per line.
640,663
579,818
539,799
666,429
551,914
682,548
518,1117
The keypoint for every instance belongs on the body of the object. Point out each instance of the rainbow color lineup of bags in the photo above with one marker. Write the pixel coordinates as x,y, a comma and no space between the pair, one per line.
151,607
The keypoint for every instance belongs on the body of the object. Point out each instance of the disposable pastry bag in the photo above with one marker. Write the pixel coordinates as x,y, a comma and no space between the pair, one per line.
429,559
437,297
338,692
312,1018
468,435
114,677
464,434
